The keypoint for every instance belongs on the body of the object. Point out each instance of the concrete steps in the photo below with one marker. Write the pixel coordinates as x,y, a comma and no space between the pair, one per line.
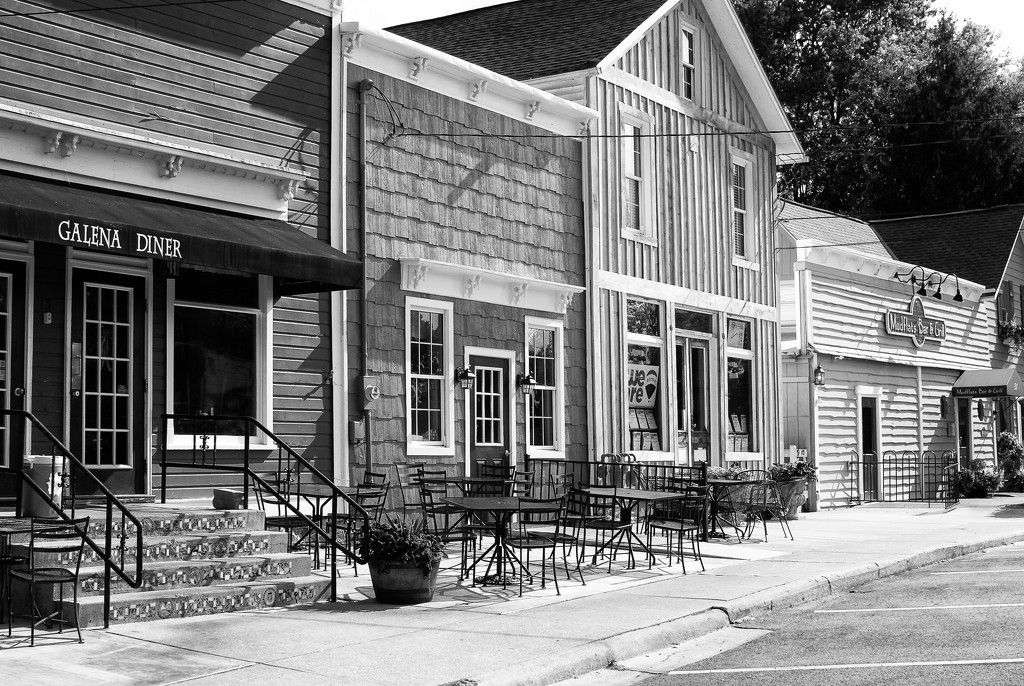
196,561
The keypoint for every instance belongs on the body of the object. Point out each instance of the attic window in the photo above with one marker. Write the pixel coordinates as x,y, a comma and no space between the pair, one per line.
686,63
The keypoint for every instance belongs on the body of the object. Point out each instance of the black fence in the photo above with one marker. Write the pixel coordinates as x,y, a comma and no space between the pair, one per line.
549,474
903,476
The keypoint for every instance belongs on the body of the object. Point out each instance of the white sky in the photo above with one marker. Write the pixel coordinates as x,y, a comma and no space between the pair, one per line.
1004,16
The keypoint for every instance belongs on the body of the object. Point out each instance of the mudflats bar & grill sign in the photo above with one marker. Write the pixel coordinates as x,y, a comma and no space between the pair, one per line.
914,324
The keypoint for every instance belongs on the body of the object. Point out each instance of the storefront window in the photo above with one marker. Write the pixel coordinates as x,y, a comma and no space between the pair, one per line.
740,387
217,334
544,406
644,370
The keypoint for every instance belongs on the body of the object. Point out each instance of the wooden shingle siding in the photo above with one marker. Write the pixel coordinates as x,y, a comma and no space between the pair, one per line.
476,190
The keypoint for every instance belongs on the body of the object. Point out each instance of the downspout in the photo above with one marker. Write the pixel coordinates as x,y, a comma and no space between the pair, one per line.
364,87
339,310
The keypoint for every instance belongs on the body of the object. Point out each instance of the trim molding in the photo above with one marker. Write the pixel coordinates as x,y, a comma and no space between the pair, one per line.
684,296
435,278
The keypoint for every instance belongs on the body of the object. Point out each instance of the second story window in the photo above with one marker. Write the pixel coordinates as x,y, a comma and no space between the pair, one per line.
739,210
686,64
637,164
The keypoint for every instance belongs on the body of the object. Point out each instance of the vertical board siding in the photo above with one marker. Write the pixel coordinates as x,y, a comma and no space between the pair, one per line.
507,202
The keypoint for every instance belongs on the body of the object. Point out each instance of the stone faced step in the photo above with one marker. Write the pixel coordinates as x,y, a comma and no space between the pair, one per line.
200,573
159,522
152,605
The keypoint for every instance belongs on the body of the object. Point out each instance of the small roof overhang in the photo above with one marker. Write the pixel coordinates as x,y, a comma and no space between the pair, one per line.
987,383
36,210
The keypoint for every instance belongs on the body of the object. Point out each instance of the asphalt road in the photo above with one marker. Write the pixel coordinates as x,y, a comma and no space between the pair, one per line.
957,622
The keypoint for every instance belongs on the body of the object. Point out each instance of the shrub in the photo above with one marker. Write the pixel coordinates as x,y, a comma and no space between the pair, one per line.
1011,461
398,541
976,481
723,473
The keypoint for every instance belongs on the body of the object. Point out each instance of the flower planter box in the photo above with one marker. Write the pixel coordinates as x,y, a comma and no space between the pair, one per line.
403,583
793,495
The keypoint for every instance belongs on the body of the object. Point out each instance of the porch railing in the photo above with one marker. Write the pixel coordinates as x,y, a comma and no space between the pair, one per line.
903,476
214,442
69,478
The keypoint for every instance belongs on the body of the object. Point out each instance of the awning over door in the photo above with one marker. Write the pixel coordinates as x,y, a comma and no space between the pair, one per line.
37,210
986,383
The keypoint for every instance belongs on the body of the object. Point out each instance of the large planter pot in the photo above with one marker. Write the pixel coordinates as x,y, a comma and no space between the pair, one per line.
403,583
793,494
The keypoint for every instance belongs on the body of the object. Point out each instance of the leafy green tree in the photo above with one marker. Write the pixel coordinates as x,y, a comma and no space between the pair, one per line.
862,79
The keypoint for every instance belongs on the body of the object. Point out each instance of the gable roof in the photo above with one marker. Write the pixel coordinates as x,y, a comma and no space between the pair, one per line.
530,39
974,244
821,227
533,39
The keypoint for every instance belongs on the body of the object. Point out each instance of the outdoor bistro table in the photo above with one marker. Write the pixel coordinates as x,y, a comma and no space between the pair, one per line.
9,528
319,495
501,509
719,488
628,499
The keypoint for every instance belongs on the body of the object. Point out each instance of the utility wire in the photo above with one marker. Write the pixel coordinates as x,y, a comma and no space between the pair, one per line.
178,3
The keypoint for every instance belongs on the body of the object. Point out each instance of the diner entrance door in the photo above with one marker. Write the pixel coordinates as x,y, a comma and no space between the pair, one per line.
12,370
107,361
490,425
693,401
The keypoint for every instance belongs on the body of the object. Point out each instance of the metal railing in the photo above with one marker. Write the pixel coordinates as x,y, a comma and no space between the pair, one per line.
903,476
203,436
624,474
67,473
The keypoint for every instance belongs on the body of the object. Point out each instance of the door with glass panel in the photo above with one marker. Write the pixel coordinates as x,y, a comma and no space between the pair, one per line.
12,370
107,361
693,401
490,433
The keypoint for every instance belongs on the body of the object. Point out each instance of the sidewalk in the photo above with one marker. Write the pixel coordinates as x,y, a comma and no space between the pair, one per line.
492,637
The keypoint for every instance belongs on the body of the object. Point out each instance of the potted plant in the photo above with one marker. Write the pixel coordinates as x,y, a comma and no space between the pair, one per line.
791,478
976,481
1011,333
403,558
1011,461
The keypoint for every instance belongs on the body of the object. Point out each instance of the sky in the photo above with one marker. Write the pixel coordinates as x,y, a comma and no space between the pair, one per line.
1005,16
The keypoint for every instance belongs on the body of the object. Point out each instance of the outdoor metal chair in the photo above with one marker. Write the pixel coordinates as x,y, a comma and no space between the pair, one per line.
679,519
49,541
539,528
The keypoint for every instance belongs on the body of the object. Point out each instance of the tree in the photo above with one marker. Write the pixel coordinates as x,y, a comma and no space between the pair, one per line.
859,79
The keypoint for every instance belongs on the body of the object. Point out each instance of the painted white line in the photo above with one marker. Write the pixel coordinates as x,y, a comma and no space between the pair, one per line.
983,571
916,609
864,665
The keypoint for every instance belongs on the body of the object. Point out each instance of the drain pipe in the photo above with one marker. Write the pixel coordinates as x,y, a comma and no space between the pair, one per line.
369,395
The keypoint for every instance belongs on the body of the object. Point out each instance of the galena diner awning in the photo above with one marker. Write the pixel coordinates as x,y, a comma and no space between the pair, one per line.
32,209
988,383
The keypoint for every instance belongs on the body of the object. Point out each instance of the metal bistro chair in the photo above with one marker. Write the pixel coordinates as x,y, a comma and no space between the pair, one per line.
682,519
8,561
445,521
602,517
539,529
408,486
371,497
54,559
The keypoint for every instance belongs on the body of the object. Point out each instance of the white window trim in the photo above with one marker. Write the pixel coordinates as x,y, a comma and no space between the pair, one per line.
661,343
264,385
756,416
558,327
738,158
692,29
630,116
447,446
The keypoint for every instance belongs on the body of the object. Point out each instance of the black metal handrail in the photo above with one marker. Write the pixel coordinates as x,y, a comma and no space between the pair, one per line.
113,561
903,476
205,452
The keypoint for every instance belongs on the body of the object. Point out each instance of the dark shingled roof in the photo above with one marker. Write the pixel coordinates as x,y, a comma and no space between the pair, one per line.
803,222
533,38
975,244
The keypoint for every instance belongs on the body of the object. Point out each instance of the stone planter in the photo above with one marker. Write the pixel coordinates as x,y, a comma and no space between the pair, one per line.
793,495
403,583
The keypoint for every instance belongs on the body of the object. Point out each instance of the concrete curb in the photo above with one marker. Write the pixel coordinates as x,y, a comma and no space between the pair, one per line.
600,654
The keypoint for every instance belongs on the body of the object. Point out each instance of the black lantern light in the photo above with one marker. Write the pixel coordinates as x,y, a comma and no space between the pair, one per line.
526,384
819,376
465,377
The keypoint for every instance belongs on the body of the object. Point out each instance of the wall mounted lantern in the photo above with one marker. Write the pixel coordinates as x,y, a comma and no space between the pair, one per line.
526,384
924,282
465,377
819,376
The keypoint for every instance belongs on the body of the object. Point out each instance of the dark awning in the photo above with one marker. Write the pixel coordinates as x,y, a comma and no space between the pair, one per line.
37,210
986,383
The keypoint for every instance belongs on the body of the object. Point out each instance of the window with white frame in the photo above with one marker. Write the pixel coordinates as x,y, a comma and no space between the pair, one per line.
687,59
545,408
219,343
645,370
429,365
740,386
741,229
637,160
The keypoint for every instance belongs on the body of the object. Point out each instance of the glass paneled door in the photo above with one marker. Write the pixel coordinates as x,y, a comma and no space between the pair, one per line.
693,401
489,421
12,371
107,378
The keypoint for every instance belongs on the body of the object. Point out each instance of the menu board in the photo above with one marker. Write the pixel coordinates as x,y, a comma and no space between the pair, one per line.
644,433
